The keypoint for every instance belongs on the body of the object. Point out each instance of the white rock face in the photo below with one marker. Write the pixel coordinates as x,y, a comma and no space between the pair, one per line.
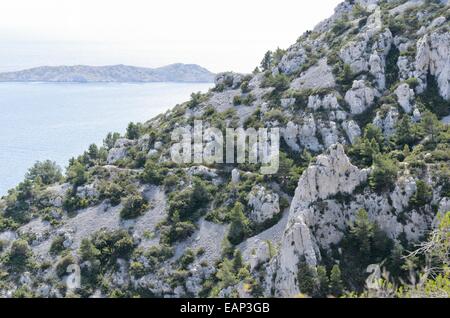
329,133
290,135
264,204
387,122
360,97
405,97
87,191
352,130
331,174
302,135
362,56
308,134
433,55
259,254
327,102
318,76
402,193
235,176
202,171
293,60
353,54
377,66
405,68
229,79
119,151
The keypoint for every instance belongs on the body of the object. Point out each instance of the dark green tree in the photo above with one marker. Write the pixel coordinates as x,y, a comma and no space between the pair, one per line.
239,224
266,63
45,172
336,284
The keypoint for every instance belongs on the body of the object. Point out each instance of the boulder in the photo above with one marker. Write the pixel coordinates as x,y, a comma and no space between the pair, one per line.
405,97
264,204
360,97
352,130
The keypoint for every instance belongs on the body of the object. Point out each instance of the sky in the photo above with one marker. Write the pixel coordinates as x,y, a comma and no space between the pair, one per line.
230,35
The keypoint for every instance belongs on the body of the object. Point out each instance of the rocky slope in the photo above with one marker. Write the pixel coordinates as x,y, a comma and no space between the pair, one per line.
360,101
111,74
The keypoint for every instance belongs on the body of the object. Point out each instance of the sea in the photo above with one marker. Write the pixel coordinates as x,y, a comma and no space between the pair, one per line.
58,121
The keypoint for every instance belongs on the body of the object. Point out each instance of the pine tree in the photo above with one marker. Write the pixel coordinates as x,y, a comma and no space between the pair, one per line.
307,279
336,285
238,262
266,63
239,224
323,281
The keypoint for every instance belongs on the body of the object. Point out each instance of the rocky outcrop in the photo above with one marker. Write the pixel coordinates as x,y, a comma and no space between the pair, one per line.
327,102
263,204
360,97
433,51
318,76
331,174
120,150
293,60
387,121
352,130
405,97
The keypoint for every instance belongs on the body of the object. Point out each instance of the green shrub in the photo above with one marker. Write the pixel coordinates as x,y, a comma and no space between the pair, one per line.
137,269
407,133
19,255
196,99
266,62
244,87
307,279
46,172
112,245
392,70
153,173
110,140
112,191
186,204
187,259
237,100
363,244
239,227
280,82
72,202
178,232
171,181
63,264
336,284
88,251
57,245
384,173
134,131
76,173
423,195
432,99
275,115
340,26
134,206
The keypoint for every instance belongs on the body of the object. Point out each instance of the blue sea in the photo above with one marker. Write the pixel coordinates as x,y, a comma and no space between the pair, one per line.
40,121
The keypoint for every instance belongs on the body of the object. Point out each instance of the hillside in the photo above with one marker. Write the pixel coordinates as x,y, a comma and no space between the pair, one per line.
111,74
363,179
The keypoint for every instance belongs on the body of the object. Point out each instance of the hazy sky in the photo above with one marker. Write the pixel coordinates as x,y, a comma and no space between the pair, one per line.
220,35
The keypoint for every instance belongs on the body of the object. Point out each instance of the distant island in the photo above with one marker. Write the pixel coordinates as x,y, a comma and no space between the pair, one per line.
185,73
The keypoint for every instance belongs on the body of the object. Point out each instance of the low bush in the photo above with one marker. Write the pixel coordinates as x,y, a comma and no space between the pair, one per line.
134,206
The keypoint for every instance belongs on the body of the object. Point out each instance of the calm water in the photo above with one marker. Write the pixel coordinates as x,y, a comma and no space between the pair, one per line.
41,121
